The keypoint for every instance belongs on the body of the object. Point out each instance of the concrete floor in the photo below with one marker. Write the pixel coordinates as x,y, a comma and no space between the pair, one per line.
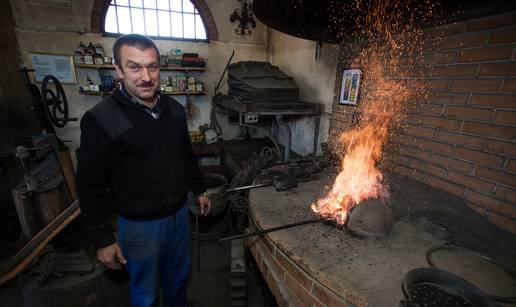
209,287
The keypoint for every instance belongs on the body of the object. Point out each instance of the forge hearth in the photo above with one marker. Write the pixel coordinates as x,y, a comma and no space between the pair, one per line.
318,264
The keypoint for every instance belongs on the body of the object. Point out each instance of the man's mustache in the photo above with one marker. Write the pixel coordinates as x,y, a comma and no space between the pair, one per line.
146,84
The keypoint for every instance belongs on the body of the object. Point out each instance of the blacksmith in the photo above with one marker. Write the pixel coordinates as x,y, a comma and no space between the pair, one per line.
136,160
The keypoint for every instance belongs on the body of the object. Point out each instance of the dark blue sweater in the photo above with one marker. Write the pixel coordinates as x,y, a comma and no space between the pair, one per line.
140,167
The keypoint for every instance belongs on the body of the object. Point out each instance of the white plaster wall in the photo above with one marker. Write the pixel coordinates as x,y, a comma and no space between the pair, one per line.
315,78
57,26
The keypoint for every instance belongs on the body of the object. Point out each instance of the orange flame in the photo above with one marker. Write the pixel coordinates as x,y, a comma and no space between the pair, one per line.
386,90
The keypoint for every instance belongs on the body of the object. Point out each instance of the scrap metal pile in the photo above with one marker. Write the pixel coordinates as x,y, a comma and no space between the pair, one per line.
264,169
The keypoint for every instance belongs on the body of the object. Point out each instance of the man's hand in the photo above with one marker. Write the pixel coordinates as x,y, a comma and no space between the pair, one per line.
204,204
111,256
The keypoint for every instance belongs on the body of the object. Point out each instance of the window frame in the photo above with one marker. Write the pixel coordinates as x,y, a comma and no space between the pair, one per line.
168,38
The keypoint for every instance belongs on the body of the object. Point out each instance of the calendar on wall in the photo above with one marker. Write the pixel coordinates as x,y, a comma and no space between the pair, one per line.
350,86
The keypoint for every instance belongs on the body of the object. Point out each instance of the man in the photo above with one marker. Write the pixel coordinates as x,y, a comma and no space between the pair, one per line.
136,159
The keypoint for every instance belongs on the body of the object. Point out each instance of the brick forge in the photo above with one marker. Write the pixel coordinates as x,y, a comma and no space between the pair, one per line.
289,282
462,138
321,265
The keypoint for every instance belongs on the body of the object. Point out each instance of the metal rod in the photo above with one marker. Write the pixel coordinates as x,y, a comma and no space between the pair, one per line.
247,187
224,72
264,231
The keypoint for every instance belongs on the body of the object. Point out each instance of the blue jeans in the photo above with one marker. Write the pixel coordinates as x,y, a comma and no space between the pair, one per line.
158,254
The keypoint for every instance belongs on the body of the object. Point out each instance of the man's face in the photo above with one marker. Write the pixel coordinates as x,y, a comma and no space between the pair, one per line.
140,71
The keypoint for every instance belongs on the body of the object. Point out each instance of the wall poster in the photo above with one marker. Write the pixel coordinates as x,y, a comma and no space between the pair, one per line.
60,66
350,86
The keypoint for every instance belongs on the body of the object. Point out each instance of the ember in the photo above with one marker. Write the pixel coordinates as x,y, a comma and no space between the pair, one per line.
386,95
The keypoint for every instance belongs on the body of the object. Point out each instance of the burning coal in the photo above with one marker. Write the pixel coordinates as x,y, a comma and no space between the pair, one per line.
385,50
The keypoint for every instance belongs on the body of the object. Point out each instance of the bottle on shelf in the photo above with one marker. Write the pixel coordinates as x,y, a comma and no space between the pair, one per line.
99,49
82,47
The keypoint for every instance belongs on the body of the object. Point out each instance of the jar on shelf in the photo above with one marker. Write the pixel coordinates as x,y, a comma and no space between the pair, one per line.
88,58
163,60
78,58
98,59
91,49
199,87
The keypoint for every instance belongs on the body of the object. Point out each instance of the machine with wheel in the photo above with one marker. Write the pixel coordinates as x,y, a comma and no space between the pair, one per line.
56,266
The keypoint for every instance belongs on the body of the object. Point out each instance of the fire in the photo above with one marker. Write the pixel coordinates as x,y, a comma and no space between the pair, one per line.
386,93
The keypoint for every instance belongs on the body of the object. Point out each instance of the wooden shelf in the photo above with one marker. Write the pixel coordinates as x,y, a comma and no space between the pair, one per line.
92,93
168,68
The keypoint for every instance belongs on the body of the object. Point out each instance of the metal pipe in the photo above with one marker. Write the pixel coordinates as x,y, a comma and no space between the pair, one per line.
224,72
288,136
264,231
248,187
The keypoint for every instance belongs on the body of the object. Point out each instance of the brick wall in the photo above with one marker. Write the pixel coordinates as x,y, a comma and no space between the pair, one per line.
291,282
462,138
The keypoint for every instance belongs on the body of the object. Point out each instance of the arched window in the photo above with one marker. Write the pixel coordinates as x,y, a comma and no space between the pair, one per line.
170,19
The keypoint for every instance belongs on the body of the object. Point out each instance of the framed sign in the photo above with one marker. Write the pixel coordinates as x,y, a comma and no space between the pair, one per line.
60,66
350,86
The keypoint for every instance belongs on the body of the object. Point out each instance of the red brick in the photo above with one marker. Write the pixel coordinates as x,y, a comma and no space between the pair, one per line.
470,182
463,70
400,160
446,186
503,36
492,204
468,113
437,84
408,172
294,270
447,97
447,29
511,166
506,194
426,167
271,264
427,132
491,22
498,69
450,124
494,100
268,244
496,175
461,139
502,222
476,85
501,147
403,140
326,296
463,40
430,109
414,152
481,158
509,85
431,45
301,293
433,146
506,117
485,54
477,209
440,58
501,132
451,163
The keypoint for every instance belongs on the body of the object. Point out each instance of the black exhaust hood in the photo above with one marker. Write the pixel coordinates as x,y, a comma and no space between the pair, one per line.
333,20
